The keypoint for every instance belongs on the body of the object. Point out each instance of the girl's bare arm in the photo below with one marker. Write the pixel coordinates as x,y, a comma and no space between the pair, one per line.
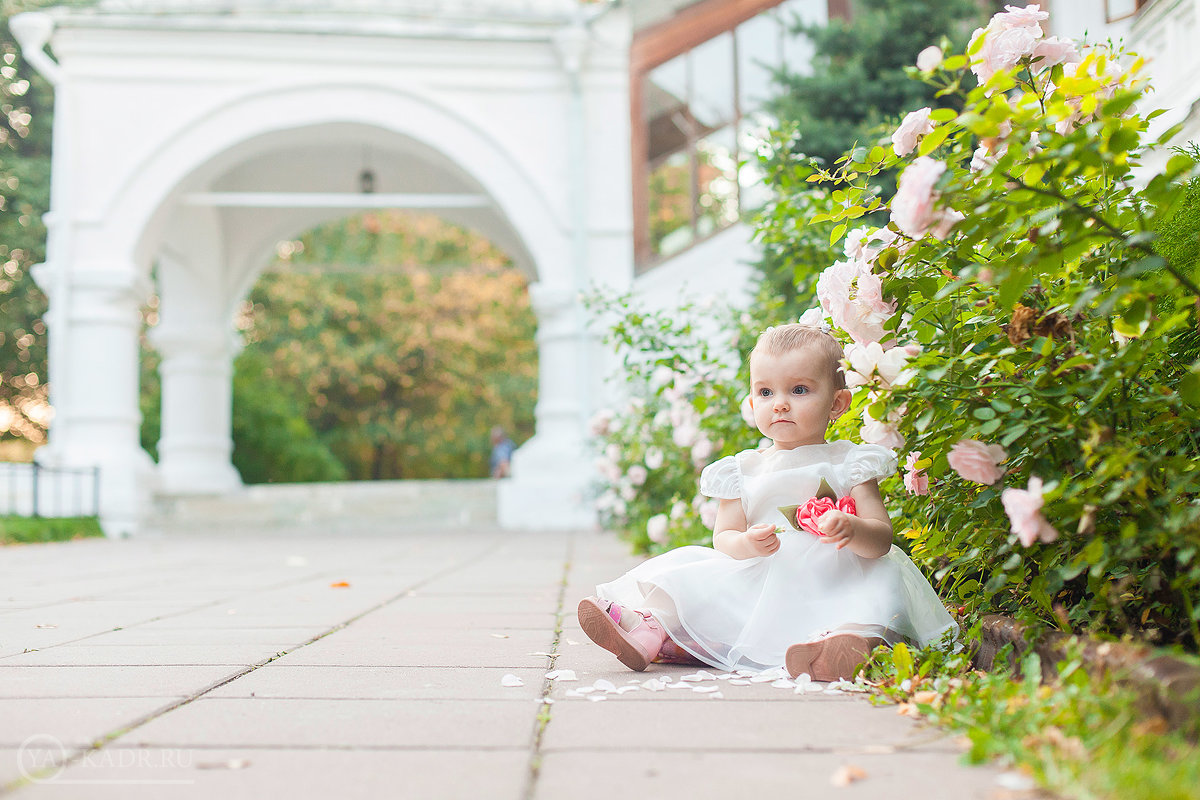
733,537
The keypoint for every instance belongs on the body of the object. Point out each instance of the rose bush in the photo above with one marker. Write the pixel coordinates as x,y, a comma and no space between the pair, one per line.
1048,413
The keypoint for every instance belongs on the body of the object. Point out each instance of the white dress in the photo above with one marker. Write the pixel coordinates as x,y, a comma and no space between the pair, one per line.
744,614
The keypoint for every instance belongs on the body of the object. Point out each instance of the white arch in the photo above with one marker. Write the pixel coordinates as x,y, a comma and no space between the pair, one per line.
137,207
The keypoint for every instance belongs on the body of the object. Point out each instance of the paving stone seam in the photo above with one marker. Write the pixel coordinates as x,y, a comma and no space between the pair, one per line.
188,610
546,710
77,754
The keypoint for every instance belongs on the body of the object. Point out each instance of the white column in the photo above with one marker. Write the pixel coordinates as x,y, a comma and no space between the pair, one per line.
552,471
196,447
94,374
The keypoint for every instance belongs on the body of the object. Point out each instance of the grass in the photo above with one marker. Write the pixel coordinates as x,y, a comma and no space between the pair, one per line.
1078,735
29,530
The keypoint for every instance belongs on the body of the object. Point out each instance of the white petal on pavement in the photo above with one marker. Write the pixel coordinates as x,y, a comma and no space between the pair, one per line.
702,675
511,681
603,685
739,682
783,683
705,689
499,635
561,675
585,689
597,697
625,689
654,685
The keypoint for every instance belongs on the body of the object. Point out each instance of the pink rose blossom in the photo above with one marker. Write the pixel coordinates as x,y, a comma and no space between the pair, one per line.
1031,16
929,58
678,509
701,450
637,475
914,125
913,205
601,421
654,458
1053,50
608,469
853,297
656,528
945,223
813,318
1024,510
882,432
708,513
915,480
977,461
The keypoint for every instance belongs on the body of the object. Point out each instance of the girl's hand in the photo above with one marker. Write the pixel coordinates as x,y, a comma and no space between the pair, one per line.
761,539
837,527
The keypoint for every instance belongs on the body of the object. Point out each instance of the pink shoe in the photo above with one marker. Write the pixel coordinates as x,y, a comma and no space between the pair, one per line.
634,648
837,657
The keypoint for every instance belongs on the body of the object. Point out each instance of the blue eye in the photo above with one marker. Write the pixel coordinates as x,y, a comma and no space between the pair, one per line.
800,390
764,392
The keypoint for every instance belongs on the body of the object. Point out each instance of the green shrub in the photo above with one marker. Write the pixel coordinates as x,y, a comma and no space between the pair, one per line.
272,440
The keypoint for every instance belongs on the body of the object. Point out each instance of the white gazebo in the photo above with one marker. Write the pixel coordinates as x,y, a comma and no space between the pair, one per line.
190,137
193,135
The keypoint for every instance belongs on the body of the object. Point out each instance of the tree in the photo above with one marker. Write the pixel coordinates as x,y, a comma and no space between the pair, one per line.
26,119
407,367
858,82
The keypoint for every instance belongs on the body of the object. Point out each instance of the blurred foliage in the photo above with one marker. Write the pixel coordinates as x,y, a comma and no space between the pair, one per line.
26,119
29,530
407,361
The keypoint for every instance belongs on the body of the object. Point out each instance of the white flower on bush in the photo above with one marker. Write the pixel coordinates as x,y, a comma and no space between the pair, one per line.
871,364
701,450
1053,50
930,58
608,469
627,492
656,528
654,458
679,510
662,376
601,421
612,452
708,512
814,318
914,125
636,475
882,432
685,435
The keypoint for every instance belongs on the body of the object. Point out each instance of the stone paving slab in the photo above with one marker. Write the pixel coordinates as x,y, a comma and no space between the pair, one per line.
254,774
83,682
259,722
395,686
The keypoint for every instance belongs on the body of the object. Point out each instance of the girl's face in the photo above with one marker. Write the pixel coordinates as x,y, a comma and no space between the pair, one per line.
794,397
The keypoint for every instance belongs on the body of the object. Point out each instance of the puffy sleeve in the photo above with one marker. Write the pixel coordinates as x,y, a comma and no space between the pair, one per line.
866,462
722,479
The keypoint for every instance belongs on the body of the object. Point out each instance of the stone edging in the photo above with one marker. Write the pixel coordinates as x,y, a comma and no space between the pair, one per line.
1169,687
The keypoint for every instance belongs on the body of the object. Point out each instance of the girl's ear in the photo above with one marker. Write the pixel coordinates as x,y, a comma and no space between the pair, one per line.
841,402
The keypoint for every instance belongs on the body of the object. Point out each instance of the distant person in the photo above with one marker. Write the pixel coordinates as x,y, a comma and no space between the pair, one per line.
502,450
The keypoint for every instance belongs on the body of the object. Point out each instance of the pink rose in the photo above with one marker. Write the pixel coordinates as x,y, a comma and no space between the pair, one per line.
1003,48
1024,510
929,58
637,475
945,223
915,480
882,432
853,297
977,461
1031,16
809,514
1053,50
915,125
708,513
871,361
913,205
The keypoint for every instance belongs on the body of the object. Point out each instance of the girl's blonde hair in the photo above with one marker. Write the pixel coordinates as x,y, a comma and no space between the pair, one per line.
794,336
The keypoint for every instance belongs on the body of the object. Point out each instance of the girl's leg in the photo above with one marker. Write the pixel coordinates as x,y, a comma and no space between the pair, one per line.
634,637
836,657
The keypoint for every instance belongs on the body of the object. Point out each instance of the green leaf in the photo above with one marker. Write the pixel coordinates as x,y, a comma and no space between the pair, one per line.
933,140
1189,387
943,114
903,661
837,233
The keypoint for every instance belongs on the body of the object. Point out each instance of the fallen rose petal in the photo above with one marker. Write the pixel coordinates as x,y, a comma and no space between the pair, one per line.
597,697
654,685
847,774
562,675
603,685
500,635
705,689
625,689
740,682
783,683
511,680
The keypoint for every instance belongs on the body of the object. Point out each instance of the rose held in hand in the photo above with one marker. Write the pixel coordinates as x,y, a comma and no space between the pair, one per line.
809,514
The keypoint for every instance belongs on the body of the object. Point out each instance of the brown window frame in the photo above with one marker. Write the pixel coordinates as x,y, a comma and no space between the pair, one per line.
658,44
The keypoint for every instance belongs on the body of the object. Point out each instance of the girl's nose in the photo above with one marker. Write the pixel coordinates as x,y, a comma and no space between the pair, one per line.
781,403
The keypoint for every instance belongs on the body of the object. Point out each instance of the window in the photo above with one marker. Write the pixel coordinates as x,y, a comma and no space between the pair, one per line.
698,80
1119,9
